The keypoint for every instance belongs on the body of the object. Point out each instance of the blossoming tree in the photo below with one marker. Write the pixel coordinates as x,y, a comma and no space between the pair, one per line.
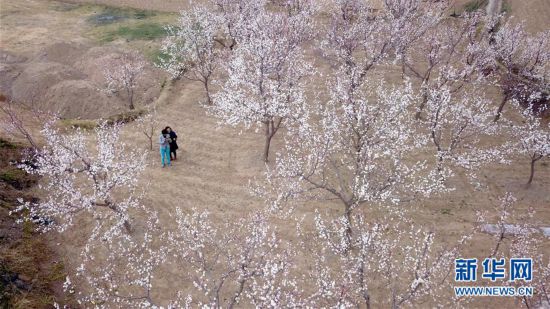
522,65
190,48
266,76
234,264
532,137
81,180
148,124
122,74
394,263
359,151
457,128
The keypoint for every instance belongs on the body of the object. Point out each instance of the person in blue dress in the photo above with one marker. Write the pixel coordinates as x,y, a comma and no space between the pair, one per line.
164,141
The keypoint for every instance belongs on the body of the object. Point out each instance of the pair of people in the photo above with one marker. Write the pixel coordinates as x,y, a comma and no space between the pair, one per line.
168,146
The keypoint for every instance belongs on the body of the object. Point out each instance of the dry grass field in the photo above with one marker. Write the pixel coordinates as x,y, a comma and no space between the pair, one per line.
216,163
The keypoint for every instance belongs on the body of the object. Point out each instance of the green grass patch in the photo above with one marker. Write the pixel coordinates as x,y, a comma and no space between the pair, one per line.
64,7
113,23
475,5
126,117
506,8
31,257
157,56
12,175
6,144
141,31
109,15
57,272
139,28
77,123
6,205
28,230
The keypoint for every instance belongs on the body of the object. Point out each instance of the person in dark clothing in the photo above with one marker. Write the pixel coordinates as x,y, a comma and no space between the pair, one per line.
173,143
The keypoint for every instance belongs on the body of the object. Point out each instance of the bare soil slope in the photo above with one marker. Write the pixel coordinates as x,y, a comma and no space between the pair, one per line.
46,59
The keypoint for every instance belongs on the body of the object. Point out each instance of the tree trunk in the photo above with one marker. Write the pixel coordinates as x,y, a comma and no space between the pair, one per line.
364,289
237,294
131,99
533,160
501,107
418,114
348,227
268,136
128,226
114,208
206,88
439,163
150,136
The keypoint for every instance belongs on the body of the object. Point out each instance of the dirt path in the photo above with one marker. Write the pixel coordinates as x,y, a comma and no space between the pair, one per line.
494,7
214,163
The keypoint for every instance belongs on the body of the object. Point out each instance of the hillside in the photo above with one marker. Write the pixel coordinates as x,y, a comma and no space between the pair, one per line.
53,47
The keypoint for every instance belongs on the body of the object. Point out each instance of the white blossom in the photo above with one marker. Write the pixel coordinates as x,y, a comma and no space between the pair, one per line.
122,75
